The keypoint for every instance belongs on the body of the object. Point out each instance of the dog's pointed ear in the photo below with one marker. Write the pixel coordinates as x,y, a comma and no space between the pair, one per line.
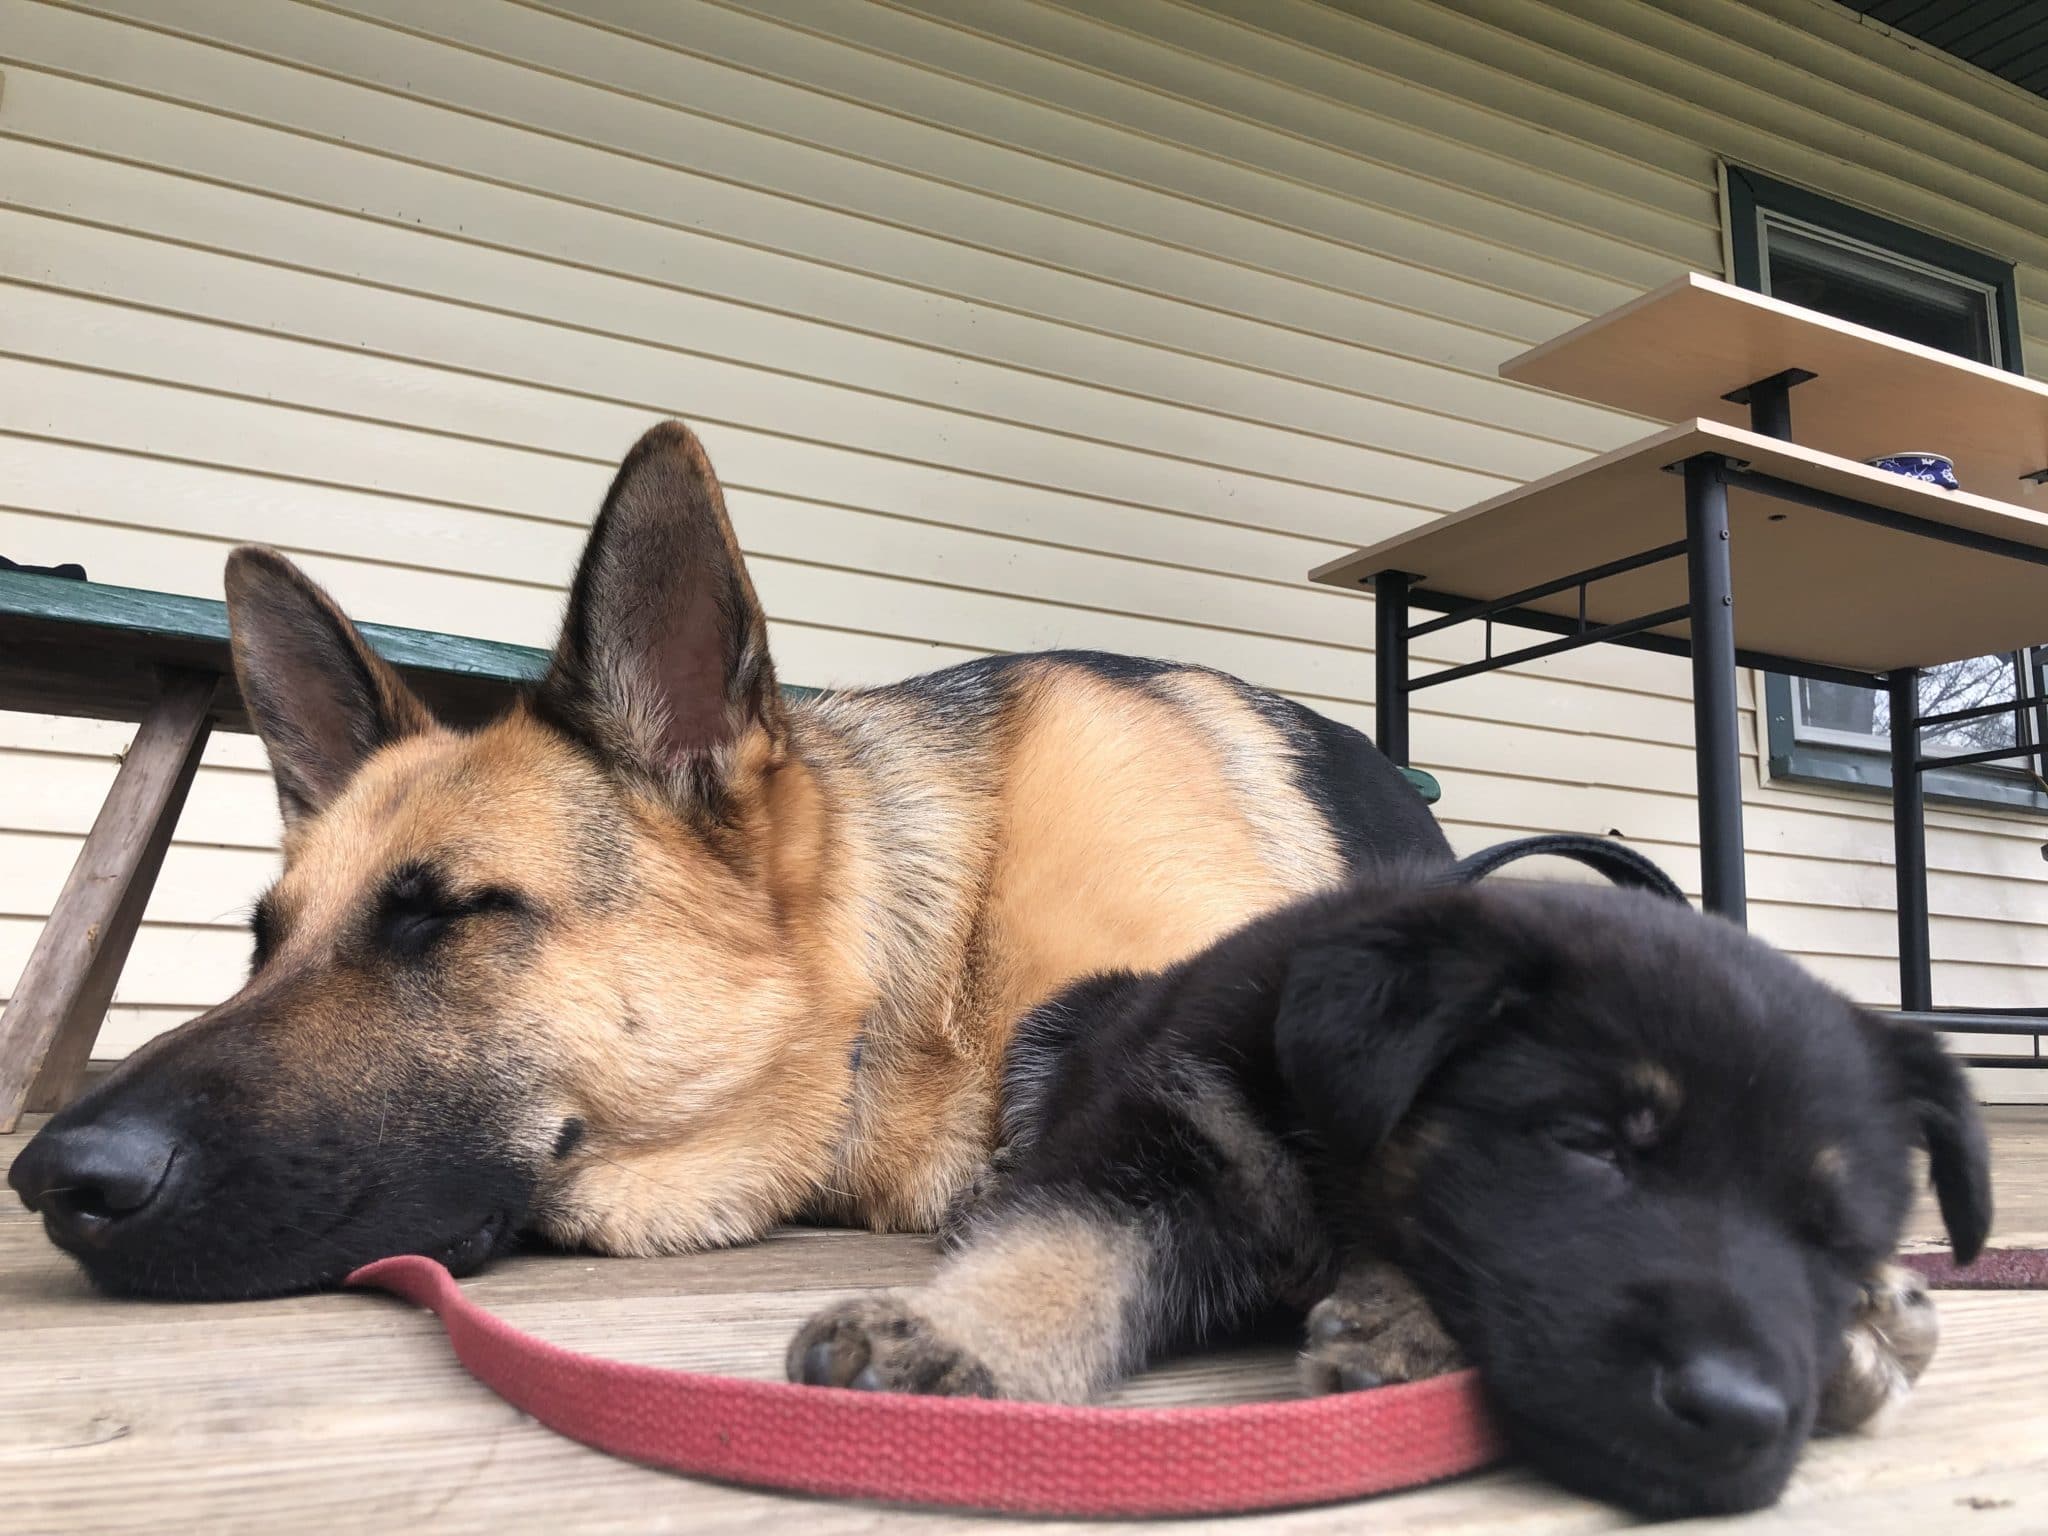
1944,1109
320,699
1367,1015
663,662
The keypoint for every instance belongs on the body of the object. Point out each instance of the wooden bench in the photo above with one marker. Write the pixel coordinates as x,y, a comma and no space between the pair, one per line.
115,653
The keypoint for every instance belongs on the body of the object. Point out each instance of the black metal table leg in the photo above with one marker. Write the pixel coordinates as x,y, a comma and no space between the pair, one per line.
1909,842
1770,402
1390,662
1716,743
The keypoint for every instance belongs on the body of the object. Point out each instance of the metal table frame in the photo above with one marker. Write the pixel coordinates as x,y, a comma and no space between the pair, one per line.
1709,615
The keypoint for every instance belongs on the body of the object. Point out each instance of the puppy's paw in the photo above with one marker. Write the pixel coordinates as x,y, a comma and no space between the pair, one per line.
1889,1342
881,1344
1356,1341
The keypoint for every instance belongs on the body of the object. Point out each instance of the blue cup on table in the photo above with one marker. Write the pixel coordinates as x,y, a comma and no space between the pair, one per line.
1934,468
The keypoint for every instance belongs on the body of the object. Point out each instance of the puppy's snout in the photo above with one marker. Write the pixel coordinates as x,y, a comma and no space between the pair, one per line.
1720,1406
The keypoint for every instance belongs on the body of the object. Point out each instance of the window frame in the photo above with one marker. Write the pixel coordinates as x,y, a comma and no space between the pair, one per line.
1753,200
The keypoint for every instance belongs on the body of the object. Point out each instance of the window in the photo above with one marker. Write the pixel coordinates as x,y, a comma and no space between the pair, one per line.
1802,248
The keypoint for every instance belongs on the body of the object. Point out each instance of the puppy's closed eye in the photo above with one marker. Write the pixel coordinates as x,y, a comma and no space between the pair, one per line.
1587,1137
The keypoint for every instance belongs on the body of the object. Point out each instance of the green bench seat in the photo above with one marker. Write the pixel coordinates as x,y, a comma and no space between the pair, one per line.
81,648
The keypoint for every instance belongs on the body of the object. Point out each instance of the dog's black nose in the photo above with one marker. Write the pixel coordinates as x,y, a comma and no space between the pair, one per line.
1721,1406
87,1181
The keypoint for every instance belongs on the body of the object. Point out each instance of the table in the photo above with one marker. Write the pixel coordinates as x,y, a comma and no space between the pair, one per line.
1843,572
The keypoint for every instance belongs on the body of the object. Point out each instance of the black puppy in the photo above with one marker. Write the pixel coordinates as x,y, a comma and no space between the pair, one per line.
1645,1169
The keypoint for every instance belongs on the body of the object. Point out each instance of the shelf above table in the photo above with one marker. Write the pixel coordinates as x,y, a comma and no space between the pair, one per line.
1809,584
1673,353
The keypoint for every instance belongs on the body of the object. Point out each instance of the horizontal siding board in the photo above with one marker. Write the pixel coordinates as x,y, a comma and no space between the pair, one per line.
854,155
1513,96
1831,94
617,323
913,412
1012,80
821,203
199,886
1747,121
1364,106
1112,338
72,736
525,483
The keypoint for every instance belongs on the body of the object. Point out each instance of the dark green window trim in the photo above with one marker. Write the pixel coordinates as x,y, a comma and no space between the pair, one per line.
1749,191
1855,768
1847,767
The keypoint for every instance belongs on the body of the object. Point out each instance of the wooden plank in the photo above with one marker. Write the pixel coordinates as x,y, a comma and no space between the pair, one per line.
1808,584
351,1405
165,616
88,648
1673,353
47,1030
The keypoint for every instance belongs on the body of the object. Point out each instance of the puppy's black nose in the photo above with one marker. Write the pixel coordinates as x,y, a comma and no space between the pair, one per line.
88,1181
1721,1406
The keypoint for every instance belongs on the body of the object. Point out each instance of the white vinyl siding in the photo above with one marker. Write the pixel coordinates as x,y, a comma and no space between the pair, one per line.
1008,326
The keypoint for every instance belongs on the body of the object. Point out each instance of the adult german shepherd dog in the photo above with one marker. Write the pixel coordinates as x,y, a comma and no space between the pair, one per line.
658,959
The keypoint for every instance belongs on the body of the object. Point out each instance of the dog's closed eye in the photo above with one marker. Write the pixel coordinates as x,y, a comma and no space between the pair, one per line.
1586,1136
417,908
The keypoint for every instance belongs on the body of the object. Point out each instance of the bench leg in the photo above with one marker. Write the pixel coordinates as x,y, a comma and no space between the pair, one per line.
48,1030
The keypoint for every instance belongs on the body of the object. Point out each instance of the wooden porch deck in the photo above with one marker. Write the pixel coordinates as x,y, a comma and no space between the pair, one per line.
347,1413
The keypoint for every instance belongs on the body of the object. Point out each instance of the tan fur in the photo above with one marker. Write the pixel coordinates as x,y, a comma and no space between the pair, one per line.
1047,1306
1044,1303
1657,1087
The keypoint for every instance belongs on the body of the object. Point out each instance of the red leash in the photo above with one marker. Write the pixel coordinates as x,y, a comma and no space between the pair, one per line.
1013,1458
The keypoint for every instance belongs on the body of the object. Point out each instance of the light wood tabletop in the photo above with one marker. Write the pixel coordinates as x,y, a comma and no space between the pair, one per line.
1808,584
1673,353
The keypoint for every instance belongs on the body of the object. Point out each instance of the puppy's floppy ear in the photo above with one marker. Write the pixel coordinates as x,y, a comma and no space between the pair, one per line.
1368,1015
1945,1111
321,700
663,664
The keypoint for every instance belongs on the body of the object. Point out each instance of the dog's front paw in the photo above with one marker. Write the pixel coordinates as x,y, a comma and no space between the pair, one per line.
1356,1341
881,1344
1889,1342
